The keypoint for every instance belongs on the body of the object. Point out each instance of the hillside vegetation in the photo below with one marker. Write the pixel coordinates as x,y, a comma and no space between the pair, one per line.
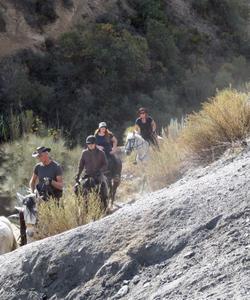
165,55
222,123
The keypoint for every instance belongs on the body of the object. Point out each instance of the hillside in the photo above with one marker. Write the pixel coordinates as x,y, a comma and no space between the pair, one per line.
97,59
188,241
21,24
24,25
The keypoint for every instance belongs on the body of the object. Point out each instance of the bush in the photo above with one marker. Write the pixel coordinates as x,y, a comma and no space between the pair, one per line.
37,12
161,43
222,121
70,213
164,167
145,10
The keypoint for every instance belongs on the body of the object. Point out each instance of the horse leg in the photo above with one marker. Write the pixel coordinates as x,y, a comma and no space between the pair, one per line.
22,229
30,231
104,195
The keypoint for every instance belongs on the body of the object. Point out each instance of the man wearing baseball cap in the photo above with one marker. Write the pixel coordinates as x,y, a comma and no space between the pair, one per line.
47,175
93,161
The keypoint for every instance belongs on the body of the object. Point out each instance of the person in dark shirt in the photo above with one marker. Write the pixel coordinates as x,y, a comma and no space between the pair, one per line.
106,141
93,161
47,175
146,126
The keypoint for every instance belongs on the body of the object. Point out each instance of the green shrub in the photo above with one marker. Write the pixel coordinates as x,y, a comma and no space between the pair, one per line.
38,12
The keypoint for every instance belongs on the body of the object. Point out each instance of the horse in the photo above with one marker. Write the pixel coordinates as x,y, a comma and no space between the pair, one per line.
7,237
113,175
89,184
28,216
135,142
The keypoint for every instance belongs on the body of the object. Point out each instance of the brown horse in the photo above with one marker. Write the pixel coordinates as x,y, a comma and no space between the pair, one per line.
113,176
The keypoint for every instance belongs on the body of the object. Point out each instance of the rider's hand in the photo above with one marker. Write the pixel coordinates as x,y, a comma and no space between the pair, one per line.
100,147
113,150
47,180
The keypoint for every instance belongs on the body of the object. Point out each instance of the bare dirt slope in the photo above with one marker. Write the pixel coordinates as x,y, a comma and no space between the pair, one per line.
18,34
189,241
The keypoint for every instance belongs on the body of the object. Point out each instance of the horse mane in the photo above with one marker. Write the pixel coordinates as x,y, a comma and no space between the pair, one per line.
134,134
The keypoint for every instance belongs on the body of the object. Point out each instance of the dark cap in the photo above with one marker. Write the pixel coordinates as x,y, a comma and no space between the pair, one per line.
91,139
40,150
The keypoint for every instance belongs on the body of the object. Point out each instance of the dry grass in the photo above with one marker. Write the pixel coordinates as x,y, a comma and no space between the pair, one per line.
222,121
205,135
72,211
164,166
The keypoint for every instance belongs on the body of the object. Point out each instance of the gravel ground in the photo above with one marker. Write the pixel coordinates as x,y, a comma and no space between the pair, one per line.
188,241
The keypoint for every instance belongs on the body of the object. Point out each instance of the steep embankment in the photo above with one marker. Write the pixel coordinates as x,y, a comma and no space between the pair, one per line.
190,241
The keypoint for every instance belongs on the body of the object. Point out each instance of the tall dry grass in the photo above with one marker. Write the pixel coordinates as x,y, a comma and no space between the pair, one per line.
70,212
203,137
223,120
164,166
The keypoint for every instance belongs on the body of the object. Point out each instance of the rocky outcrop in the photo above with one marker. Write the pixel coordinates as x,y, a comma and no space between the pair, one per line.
188,241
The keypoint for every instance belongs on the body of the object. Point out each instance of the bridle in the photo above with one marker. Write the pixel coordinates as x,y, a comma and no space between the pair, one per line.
133,144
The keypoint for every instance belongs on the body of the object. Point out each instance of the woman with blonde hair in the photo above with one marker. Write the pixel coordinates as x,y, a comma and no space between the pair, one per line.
106,141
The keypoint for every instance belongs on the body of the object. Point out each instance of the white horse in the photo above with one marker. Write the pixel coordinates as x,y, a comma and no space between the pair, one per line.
29,212
135,142
7,239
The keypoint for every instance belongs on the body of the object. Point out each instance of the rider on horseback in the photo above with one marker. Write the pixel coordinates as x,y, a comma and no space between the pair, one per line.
47,175
94,162
107,142
146,126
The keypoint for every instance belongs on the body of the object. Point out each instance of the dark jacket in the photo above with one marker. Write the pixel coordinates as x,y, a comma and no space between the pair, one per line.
93,161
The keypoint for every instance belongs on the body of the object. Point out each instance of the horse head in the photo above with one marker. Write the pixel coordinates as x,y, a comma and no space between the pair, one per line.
135,142
130,143
29,207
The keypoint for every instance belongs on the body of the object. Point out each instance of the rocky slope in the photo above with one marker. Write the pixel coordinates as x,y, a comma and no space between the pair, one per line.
188,241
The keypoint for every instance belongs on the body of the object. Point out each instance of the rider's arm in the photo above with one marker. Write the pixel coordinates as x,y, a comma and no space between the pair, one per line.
58,184
153,124
80,167
115,142
33,182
